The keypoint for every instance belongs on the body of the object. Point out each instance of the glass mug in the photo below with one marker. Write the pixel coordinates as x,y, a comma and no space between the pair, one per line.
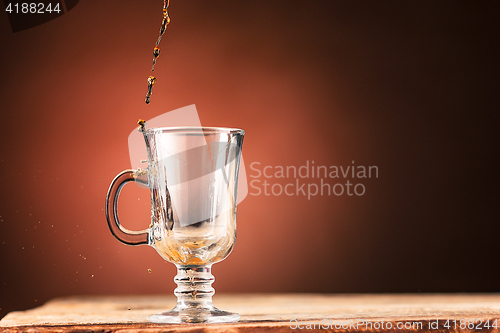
192,174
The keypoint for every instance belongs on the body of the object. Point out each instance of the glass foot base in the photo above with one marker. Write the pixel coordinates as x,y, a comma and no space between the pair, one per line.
194,315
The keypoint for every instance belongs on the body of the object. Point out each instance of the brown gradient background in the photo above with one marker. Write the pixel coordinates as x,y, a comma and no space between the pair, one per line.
411,87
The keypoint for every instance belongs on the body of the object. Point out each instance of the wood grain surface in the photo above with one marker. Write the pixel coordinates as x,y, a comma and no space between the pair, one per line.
270,313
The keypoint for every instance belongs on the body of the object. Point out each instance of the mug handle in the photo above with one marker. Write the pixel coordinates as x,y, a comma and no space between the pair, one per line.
121,233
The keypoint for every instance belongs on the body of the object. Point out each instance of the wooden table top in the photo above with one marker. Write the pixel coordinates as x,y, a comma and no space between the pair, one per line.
271,313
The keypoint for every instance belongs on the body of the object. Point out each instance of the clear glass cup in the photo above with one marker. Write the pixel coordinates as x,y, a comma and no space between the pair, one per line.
192,174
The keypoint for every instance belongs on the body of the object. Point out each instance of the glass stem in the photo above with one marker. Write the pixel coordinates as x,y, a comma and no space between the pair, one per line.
194,299
194,286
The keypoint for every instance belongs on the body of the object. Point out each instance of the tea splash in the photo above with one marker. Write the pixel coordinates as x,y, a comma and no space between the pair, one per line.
156,51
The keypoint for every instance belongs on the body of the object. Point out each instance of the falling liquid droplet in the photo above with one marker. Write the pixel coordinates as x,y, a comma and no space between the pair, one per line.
156,54
164,24
165,21
142,124
151,83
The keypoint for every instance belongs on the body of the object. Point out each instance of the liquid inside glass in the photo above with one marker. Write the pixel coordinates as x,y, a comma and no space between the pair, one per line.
197,246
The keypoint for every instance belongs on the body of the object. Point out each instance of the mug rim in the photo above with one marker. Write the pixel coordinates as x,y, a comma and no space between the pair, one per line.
190,129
